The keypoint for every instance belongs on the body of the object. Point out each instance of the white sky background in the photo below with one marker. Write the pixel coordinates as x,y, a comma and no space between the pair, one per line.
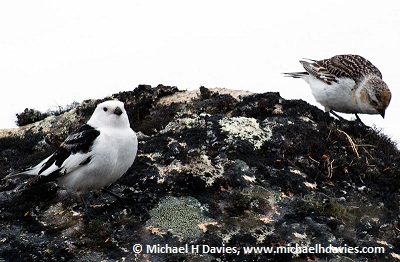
55,52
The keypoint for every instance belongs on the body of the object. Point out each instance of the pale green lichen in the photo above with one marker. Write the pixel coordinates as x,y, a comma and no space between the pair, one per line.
246,129
180,216
203,167
186,123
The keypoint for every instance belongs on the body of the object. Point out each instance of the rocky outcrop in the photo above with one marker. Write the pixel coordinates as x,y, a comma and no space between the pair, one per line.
218,172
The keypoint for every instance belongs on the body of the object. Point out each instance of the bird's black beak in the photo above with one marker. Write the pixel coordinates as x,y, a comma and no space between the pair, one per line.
382,112
118,111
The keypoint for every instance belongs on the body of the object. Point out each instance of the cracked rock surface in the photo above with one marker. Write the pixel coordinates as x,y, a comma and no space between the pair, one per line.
215,167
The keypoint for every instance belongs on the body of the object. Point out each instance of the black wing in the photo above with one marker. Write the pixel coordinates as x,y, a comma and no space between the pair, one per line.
79,141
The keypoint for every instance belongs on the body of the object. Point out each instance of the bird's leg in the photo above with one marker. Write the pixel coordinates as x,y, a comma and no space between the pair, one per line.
84,196
337,116
85,205
358,119
342,119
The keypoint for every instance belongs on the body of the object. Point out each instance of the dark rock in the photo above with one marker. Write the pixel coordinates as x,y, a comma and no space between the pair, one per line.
29,116
251,170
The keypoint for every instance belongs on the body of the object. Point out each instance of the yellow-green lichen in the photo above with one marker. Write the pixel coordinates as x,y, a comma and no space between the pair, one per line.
203,167
184,123
179,215
246,129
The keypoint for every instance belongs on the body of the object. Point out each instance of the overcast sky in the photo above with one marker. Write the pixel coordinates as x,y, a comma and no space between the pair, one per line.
55,52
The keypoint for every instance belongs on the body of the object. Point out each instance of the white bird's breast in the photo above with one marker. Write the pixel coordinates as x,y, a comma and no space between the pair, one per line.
113,152
338,96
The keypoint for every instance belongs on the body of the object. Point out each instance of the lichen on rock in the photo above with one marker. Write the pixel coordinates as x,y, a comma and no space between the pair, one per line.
180,216
216,167
248,129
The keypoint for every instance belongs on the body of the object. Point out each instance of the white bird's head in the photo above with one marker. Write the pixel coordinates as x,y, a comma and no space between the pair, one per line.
109,114
375,94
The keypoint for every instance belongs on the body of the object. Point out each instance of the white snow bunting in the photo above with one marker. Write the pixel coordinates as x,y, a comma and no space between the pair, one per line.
93,156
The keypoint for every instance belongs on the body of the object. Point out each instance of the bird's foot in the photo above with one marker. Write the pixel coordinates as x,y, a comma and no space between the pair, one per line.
118,197
358,120
337,116
342,120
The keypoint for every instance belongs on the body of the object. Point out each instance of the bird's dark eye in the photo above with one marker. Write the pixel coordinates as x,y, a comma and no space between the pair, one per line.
374,103
105,109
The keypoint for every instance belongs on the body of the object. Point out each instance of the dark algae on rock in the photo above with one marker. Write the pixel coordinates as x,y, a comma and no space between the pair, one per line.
220,175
